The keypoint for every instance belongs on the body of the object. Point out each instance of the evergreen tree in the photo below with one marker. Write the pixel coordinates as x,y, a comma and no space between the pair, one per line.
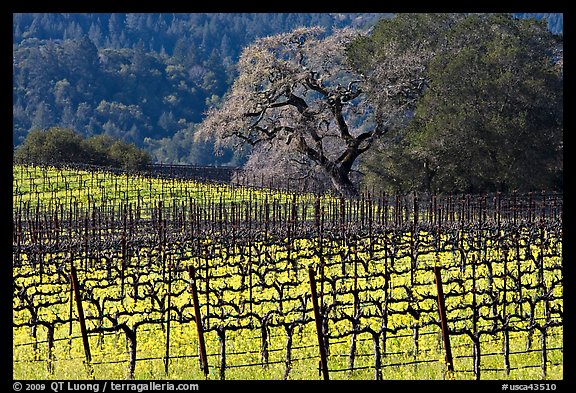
491,117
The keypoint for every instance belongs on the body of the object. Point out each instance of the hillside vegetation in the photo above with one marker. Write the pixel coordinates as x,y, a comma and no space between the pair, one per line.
144,78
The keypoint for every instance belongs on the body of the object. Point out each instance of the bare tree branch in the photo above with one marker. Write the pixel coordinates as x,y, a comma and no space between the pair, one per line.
297,92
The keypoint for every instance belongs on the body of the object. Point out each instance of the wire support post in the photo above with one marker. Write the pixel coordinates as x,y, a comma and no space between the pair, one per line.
443,320
318,320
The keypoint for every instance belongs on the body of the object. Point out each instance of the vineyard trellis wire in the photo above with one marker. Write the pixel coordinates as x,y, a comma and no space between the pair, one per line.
373,259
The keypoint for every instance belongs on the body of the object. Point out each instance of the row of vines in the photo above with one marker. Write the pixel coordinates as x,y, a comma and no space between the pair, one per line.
119,270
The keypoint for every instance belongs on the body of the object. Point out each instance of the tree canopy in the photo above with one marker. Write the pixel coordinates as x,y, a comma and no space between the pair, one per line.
491,118
63,145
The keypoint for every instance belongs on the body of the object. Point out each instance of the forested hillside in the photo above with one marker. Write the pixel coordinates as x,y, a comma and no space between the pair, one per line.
144,78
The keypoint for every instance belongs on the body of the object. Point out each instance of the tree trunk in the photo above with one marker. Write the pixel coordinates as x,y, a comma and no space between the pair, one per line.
341,181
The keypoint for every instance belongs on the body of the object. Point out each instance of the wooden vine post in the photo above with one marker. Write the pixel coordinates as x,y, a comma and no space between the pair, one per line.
443,321
318,320
198,317
81,319
167,311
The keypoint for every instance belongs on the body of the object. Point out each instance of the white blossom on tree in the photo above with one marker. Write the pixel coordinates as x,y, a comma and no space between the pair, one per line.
298,92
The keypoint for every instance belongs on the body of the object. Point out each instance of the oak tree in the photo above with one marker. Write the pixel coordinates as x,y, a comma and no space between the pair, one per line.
492,116
299,93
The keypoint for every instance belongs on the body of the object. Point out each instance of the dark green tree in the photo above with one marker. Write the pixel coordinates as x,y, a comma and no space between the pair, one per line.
55,145
97,149
127,156
491,116
63,145
107,151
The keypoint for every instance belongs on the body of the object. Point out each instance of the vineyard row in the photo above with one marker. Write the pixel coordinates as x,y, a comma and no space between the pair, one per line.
374,282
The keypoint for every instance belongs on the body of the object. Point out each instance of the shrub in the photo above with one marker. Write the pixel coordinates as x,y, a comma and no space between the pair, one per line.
63,145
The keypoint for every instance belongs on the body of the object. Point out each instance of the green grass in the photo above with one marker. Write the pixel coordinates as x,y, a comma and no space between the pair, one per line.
50,187
189,369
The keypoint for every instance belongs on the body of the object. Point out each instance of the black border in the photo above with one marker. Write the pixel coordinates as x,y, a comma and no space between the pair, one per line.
291,6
